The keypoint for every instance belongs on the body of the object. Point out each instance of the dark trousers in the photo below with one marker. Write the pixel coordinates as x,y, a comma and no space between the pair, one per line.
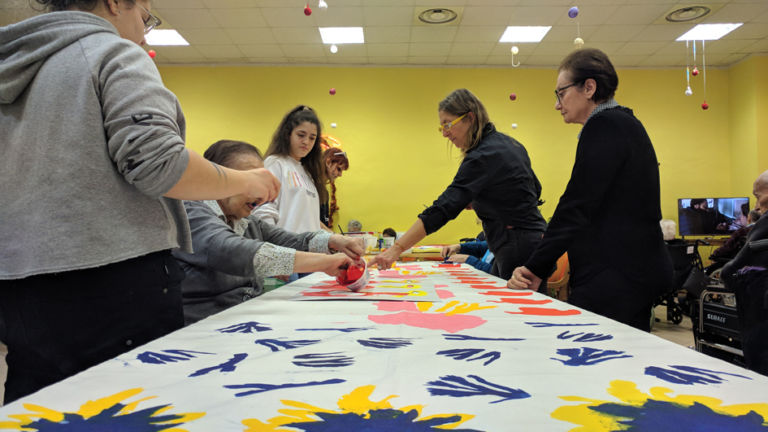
514,251
609,293
751,289
56,325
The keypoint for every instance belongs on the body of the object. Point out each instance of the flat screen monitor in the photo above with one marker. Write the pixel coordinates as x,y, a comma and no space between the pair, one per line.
711,216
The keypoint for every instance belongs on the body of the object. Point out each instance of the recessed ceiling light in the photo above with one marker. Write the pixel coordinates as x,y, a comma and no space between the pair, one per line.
709,31
342,35
437,16
524,33
158,37
686,14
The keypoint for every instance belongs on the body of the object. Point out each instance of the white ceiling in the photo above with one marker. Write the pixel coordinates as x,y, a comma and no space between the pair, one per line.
633,32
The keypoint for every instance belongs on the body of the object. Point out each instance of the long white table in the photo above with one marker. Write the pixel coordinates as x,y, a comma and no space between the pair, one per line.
478,357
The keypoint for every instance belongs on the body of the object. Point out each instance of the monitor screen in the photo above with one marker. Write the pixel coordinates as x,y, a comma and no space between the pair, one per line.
711,216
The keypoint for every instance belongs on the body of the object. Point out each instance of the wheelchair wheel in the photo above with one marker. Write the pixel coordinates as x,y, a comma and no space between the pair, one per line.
674,314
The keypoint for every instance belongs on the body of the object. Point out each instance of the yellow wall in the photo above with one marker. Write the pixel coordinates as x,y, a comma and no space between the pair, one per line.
744,124
387,121
761,90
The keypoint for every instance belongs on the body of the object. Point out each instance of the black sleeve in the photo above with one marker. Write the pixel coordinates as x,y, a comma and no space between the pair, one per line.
602,151
748,256
471,178
324,216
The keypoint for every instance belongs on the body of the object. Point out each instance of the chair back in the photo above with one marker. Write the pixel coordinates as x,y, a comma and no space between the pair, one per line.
557,284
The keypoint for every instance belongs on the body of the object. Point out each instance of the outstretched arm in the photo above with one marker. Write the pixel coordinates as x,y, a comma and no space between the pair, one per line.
206,180
414,234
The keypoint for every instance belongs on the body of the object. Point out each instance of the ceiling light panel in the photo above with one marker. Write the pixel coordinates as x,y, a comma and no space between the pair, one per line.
163,37
709,31
518,34
342,35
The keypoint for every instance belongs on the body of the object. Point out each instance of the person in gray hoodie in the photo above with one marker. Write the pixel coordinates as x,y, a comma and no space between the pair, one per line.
93,170
235,251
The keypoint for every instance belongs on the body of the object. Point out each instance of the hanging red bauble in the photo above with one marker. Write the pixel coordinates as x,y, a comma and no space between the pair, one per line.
307,10
695,71
152,53
705,105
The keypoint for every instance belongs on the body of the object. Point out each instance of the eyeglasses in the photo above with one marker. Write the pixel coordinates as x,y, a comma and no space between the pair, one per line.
446,127
559,91
151,21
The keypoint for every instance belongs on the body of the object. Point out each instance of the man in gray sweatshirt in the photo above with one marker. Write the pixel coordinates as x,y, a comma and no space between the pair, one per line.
93,169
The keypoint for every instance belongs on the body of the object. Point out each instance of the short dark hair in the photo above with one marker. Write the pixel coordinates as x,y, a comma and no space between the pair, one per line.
62,5
745,208
389,232
226,152
586,63
697,201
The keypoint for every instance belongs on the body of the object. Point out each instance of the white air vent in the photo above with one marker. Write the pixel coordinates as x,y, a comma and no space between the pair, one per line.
689,13
683,13
442,16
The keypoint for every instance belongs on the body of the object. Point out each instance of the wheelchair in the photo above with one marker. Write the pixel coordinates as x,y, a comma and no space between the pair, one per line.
715,319
687,267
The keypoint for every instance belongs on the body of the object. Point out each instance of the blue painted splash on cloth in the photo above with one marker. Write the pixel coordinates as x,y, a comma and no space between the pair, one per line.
656,415
246,327
228,366
343,330
478,338
689,375
584,337
168,356
467,353
385,343
379,420
544,325
318,360
276,344
112,419
456,386
586,356
261,388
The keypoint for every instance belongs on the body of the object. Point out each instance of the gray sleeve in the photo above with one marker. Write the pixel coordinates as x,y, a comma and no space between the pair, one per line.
143,121
216,246
278,236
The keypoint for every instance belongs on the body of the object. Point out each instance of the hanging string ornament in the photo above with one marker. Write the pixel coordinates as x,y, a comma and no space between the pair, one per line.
515,51
695,71
704,105
688,90
573,12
